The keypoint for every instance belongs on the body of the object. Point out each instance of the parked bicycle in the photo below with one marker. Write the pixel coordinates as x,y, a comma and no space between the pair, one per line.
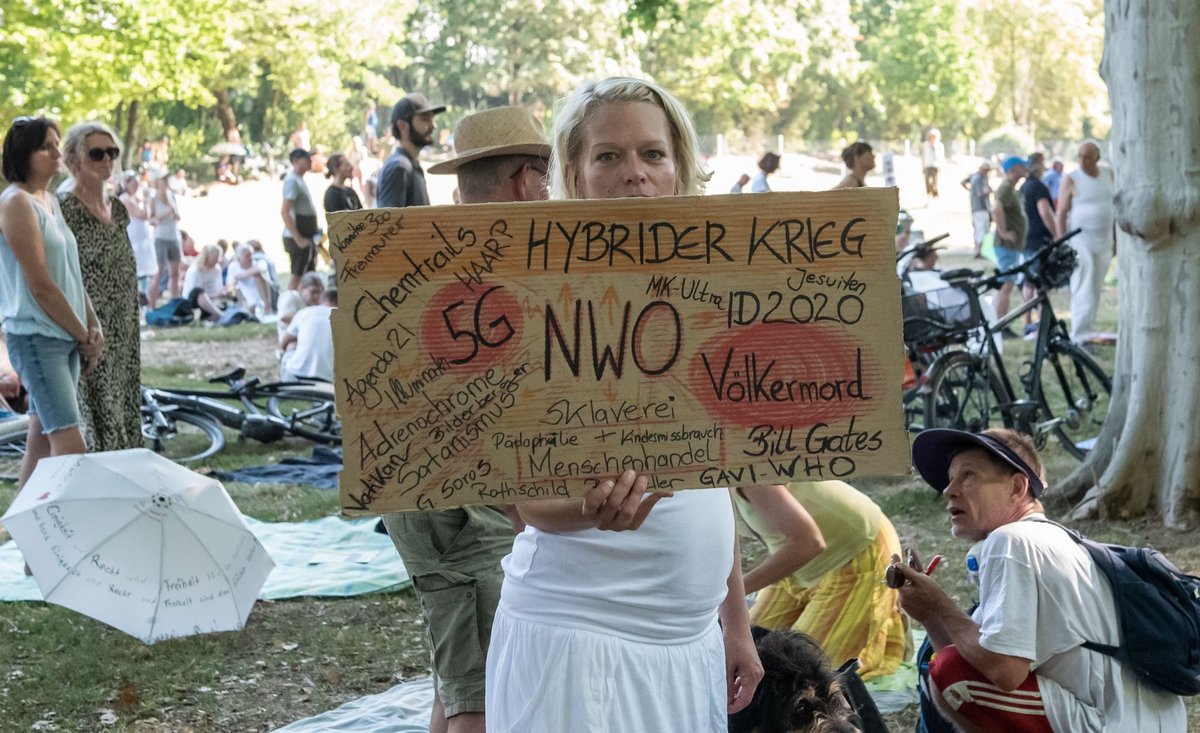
1060,390
180,433
13,431
185,424
263,412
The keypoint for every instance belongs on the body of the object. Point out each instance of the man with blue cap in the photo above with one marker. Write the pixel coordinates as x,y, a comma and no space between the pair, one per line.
1009,216
1017,662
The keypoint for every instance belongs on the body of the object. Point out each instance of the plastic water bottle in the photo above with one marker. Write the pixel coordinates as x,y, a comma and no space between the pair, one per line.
973,570
973,556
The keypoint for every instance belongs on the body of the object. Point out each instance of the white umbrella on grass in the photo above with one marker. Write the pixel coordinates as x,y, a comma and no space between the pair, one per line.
138,542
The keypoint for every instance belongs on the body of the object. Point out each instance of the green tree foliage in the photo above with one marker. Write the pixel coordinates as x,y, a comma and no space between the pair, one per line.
821,69
762,66
1043,71
487,52
311,60
84,58
922,69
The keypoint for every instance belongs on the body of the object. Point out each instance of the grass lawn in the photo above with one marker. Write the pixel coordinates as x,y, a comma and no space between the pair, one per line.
62,671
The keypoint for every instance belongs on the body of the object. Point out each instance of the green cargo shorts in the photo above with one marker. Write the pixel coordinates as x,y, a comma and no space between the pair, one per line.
453,558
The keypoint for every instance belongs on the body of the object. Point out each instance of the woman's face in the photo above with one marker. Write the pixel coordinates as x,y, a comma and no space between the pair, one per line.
867,160
95,171
211,258
344,169
626,151
46,160
131,186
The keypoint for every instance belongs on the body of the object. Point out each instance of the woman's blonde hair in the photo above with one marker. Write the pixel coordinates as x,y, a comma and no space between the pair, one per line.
205,251
575,108
74,145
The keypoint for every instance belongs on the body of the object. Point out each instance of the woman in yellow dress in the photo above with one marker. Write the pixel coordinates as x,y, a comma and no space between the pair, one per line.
829,546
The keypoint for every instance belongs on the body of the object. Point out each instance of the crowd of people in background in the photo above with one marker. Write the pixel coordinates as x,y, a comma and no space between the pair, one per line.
1035,205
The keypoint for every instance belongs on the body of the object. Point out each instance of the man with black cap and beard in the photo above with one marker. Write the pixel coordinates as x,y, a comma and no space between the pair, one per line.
402,180
1017,663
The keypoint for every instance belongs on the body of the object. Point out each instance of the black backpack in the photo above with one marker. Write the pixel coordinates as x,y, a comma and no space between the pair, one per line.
1159,610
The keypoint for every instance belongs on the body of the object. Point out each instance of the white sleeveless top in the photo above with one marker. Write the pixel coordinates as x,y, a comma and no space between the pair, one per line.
659,583
1092,202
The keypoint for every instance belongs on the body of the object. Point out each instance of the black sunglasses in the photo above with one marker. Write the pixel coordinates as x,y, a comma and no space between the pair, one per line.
97,154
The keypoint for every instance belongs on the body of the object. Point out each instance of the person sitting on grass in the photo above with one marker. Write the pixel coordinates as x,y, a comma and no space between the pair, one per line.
203,284
1018,661
307,343
250,280
829,546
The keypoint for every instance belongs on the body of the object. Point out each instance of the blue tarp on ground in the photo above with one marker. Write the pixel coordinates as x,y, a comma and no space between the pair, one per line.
320,471
323,557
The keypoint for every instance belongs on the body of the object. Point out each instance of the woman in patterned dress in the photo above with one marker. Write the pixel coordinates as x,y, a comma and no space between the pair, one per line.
109,396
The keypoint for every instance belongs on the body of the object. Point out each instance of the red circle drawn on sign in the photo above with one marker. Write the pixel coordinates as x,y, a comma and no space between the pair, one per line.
450,328
784,374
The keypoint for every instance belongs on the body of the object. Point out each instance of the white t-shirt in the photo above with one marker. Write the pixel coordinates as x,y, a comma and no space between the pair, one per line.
660,583
1041,597
244,278
207,280
312,355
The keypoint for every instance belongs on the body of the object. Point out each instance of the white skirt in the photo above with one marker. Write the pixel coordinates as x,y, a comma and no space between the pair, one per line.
552,679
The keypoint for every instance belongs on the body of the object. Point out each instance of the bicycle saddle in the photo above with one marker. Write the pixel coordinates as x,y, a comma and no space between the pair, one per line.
236,374
961,273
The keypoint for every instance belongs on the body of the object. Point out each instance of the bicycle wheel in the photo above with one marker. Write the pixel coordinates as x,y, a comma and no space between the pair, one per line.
963,393
182,436
1075,392
13,432
310,412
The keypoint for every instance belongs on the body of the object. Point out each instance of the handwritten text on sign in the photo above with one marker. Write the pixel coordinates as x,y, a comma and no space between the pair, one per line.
505,352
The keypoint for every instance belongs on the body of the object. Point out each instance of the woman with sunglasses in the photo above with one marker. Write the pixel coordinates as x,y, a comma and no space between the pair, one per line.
49,324
111,393
645,627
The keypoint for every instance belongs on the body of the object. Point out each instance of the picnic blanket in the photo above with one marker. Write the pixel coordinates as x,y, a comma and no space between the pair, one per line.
406,707
320,471
330,556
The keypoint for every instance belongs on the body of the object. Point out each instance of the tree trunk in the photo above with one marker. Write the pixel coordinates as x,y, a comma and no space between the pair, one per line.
131,117
1149,453
225,113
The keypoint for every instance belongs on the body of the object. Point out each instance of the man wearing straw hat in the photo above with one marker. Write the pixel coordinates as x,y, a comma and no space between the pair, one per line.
453,556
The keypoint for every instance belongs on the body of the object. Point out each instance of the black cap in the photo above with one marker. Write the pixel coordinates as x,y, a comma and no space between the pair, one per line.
413,104
933,449
299,153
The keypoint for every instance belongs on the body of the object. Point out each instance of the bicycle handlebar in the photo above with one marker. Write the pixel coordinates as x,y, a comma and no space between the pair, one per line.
920,245
993,281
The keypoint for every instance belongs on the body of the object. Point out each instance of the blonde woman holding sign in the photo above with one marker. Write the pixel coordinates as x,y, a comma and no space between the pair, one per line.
608,617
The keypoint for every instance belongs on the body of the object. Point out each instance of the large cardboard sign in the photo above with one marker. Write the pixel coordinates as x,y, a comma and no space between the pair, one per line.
507,352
